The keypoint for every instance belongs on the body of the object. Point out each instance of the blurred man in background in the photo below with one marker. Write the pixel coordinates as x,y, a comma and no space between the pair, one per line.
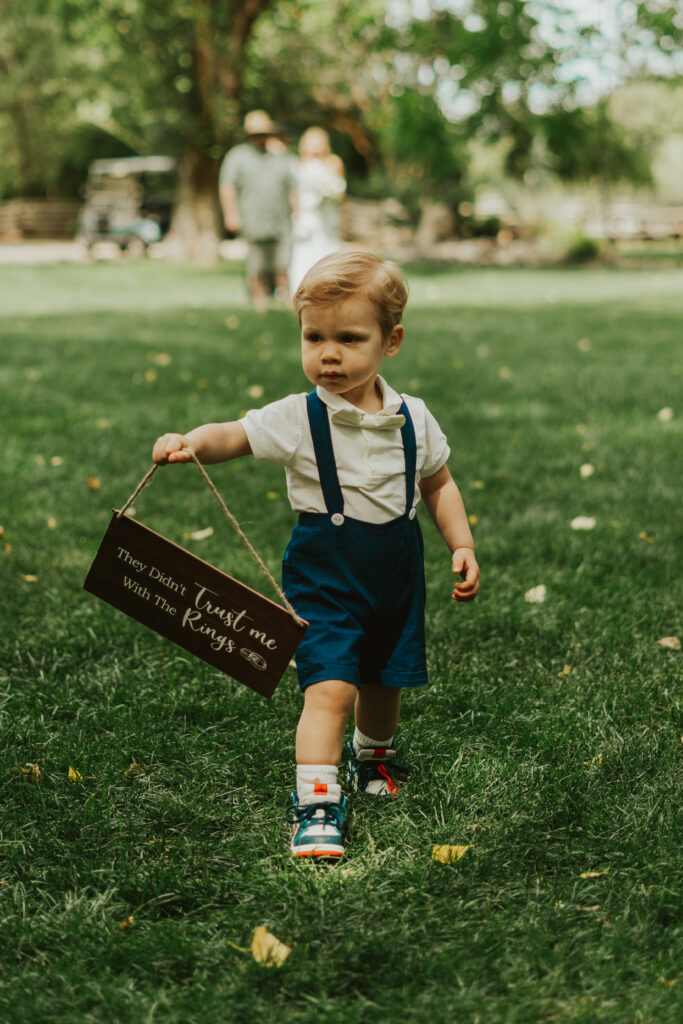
258,198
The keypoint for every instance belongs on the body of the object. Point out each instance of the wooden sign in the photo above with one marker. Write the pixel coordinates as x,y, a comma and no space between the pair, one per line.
198,607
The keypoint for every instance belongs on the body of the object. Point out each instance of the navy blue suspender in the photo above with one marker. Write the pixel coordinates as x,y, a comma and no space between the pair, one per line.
410,453
324,453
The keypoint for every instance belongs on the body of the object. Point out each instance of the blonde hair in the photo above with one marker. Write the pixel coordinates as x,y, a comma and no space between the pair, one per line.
315,142
355,272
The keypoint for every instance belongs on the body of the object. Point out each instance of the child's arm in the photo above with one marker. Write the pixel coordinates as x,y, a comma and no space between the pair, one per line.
445,505
213,442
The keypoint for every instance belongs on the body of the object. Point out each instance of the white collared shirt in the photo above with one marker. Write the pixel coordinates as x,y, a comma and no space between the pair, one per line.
370,459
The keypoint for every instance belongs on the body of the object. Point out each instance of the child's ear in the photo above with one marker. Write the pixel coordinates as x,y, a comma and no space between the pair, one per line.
393,342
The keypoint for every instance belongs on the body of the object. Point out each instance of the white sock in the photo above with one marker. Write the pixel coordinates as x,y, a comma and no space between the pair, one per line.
361,740
317,784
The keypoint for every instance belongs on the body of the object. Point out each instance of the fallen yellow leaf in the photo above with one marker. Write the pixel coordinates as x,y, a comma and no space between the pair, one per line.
34,771
268,950
595,762
128,922
74,774
150,376
536,595
590,910
56,460
594,874
30,578
583,523
672,642
644,536
202,534
51,523
472,520
93,483
447,854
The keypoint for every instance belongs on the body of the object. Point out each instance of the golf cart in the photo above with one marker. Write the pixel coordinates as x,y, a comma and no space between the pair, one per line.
128,201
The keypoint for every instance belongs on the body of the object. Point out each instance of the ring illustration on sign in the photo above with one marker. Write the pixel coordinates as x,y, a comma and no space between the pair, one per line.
254,659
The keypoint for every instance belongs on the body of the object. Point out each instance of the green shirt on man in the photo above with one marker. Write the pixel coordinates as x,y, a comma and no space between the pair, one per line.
264,182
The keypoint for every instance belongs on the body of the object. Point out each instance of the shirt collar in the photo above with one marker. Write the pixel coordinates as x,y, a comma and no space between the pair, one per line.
391,401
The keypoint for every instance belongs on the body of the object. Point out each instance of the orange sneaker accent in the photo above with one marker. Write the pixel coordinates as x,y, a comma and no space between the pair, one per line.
394,790
320,787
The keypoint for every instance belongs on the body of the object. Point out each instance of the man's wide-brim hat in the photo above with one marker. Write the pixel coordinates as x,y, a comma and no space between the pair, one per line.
257,122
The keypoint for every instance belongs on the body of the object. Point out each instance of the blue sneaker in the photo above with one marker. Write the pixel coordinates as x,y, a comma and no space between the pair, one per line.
318,829
374,770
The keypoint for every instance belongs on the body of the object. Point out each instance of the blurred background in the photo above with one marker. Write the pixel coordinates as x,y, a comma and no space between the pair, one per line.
475,131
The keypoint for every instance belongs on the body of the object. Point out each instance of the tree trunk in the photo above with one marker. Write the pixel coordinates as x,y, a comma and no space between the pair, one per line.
195,231
196,226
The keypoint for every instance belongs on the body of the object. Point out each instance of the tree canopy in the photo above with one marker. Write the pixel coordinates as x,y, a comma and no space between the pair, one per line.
403,86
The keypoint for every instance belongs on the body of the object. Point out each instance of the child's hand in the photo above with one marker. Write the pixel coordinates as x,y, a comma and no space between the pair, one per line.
169,448
465,564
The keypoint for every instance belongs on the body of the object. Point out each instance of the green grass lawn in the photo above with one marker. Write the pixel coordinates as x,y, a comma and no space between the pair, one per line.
549,740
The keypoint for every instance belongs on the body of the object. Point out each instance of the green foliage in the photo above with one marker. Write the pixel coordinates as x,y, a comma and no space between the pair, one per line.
161,69
402,90
424,155
39,81
549,739
582,250
587,145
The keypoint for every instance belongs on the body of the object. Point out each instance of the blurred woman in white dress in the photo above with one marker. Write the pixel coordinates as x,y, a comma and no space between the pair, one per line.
320,187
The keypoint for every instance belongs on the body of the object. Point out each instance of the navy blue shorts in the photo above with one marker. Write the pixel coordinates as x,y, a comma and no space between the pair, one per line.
361,587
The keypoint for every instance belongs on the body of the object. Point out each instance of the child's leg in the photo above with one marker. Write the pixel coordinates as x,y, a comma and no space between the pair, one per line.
320,734
319,810
371,763
377,710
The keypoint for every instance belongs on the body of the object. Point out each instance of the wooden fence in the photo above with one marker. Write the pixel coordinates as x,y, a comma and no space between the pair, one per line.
38,218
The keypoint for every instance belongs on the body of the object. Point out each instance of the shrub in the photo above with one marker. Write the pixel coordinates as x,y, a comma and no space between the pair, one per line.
582,250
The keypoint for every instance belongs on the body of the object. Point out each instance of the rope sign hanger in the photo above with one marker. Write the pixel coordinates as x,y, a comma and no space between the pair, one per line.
231,519
192,603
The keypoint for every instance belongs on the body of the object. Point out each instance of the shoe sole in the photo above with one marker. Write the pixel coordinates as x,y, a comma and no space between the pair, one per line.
318,852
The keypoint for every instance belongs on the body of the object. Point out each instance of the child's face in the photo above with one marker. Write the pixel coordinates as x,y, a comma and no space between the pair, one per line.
342,347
